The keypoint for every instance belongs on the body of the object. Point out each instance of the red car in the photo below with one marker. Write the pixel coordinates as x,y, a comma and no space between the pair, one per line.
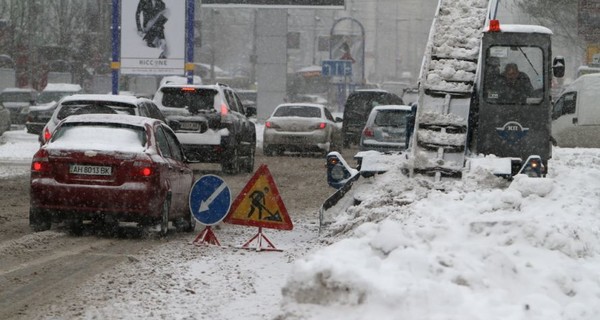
111,168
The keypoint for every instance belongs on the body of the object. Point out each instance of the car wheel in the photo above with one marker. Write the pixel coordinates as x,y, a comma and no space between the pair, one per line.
190,223
267,150
164,221
249,161
346,142
39,221
231,162
76,227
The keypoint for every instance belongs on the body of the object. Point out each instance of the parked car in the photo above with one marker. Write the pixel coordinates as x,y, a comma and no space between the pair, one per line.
18,101
4,119
211,123
386,128
300,127
100,103
45,104
357,108
575,114
111,168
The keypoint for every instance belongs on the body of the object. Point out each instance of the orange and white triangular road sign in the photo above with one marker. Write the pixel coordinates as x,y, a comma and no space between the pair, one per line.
259,204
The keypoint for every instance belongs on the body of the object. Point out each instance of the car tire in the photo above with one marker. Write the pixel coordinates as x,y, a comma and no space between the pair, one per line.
164,217
190,223
76,227
39,220
231,161
249,161
268,151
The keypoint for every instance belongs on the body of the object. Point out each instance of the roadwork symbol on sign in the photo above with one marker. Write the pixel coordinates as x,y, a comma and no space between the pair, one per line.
259,204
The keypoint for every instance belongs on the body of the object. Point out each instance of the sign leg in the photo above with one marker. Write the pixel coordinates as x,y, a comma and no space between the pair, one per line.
259,237
207,236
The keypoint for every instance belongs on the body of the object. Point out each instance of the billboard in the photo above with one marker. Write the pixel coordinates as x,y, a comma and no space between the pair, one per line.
153,37
318,4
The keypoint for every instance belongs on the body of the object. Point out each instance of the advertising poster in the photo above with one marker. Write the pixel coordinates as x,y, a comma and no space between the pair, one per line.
153,37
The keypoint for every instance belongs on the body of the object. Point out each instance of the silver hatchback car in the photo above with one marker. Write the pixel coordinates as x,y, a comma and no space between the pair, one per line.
302,127
386,128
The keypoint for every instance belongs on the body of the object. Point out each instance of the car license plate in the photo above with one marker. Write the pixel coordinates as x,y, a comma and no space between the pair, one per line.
90,170
190,126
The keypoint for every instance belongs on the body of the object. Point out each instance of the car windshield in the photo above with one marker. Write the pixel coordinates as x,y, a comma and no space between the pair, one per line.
103,137
85,107
298,111
49,96
194,99
391,118
16,97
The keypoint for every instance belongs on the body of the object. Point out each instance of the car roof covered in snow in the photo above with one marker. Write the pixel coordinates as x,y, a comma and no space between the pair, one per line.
62,87
121,98
111,118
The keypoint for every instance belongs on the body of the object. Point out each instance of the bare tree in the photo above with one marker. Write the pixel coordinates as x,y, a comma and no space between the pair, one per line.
559,15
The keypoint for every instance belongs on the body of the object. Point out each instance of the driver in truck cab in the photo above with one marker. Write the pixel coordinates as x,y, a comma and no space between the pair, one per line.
516,84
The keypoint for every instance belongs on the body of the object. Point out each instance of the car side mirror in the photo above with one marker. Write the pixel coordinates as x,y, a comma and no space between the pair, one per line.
338,119
558,66
250,111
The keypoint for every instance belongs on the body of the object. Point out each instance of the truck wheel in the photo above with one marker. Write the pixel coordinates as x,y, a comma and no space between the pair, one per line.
39,220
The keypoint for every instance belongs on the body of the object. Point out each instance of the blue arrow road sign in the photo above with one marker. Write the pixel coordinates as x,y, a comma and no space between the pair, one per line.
210,199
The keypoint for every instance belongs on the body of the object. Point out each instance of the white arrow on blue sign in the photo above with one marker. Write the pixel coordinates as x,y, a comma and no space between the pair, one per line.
210,199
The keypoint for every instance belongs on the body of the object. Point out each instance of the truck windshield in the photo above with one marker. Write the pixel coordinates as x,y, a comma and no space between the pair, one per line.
514,75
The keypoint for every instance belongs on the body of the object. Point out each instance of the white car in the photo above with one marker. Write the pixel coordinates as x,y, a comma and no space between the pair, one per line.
386,128
301,127
100,103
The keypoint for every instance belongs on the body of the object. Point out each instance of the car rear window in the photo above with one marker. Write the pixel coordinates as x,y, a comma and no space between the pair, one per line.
298,111
102,137
194,99
87,107
391,118
16,97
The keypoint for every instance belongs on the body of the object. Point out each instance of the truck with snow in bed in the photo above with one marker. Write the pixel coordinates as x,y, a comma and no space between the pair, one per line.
484,101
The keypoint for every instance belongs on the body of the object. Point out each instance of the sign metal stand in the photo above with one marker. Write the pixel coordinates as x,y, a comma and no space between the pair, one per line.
206,237
259,237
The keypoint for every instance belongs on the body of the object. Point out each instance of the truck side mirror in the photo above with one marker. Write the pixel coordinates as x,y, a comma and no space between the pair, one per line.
558,66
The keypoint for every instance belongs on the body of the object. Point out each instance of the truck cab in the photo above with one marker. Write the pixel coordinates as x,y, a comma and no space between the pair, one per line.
510,111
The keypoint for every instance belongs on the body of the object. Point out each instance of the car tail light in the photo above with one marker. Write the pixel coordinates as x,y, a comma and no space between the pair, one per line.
47,135
143,168
224,110
40,163
321,125
368,132
271,125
